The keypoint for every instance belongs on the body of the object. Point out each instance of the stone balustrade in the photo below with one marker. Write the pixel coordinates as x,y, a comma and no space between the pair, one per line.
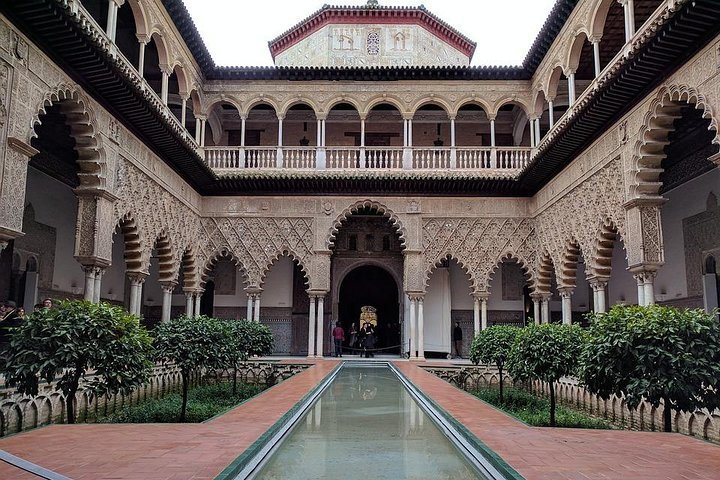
233,160
22,412
701,423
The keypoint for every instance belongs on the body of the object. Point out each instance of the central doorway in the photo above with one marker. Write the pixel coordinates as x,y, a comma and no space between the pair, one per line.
373,286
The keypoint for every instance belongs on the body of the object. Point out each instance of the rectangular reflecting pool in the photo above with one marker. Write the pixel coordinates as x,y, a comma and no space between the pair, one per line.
366,425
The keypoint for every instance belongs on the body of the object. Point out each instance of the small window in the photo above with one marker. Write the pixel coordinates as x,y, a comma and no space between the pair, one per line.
386,243
369,243
373,43
352,242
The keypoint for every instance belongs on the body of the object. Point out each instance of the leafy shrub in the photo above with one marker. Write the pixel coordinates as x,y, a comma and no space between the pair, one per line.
493,346
535,410
203,403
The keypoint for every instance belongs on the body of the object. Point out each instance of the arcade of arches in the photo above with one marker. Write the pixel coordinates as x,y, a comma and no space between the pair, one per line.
88,210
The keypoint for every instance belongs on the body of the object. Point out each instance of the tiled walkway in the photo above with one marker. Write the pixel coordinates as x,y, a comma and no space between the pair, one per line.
185,451
563,453
158,451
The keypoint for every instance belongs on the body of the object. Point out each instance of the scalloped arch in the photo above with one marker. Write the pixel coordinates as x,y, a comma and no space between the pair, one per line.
569,264
82,121
602,250
132,234
369,204
285,252
430,268
211,261
524,265
656,126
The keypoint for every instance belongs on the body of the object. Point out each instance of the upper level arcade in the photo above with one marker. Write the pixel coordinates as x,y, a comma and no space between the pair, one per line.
516,127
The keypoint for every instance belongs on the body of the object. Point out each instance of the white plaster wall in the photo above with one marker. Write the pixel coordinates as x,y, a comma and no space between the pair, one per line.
277,289
495,302
113,281
684,201
581,296
460,293
55,205
436,314
622,288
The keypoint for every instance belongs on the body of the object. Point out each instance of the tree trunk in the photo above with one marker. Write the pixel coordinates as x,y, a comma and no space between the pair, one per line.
71,396
184,395
667,415
501,383
552,403
235,380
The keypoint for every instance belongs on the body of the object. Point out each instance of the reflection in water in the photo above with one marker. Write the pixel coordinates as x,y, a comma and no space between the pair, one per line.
366,426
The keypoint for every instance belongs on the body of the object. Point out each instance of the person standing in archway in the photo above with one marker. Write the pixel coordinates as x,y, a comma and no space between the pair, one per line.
338,337
457,340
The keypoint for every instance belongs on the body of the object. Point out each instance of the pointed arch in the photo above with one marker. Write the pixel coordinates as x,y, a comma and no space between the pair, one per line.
370,205
82,121
649,151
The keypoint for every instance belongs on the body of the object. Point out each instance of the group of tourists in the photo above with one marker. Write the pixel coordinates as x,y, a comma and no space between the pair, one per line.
364,339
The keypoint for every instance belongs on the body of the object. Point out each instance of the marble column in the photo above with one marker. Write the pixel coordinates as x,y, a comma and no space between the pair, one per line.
99,272
136,284
571,88
420,328
141,58
256,306
484,311
545,308
164,87
188,304
551,113
413,335
198,297
167,290
640,279
537,300
279,158
596,56
566,296
476,315
598,286
312,320
249,310
320,350
89,294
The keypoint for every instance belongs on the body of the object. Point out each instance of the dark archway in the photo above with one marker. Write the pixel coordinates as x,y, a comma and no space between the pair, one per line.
374,286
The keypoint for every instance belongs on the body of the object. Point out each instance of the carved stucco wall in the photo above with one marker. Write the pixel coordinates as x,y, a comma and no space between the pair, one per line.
352,45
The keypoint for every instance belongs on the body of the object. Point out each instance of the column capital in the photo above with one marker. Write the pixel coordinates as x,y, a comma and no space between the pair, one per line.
168,286
280,117
317,293
137,277
143,38
481,296
451,117
165,69
415,296
119,3
322,116
566,292
253,290
644,276
201,116
598,282
595,38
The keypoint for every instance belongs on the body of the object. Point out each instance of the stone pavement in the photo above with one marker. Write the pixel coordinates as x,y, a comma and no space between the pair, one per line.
201,451
158,451
540,453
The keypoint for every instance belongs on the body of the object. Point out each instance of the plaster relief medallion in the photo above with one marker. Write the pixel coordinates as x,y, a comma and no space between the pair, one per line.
20,47
413,206
622,132
327,207
265,206
114,131
233,206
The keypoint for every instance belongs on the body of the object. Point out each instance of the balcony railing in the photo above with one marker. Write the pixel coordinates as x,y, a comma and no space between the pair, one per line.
232,160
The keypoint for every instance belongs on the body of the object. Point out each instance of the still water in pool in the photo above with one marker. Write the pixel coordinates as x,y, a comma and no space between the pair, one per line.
367,426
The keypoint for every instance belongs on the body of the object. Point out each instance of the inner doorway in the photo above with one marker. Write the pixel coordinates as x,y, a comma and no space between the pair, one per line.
373,286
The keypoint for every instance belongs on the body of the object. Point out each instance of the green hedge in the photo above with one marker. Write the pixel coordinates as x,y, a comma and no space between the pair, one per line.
203,403
536,410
